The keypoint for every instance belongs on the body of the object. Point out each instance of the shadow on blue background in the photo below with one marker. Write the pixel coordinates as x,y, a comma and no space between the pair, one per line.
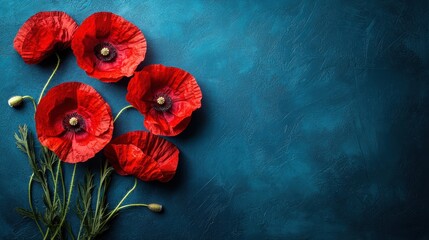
314,122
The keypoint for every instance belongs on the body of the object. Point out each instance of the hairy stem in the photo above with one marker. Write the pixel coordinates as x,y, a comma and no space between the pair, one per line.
66,205
82,221
30,202
46,235
97,204
56,181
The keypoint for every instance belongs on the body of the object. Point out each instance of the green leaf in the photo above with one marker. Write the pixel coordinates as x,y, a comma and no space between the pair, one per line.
26,213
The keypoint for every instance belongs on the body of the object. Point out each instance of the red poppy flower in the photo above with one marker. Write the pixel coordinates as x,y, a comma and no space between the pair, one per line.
166,96
42,34
108,47
143,155
74,122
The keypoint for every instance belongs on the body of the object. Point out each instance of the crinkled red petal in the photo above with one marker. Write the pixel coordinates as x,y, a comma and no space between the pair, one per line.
134,162
143,155
80,98
42,34
178,84
158,125
94,109
155,122
139,92
128,40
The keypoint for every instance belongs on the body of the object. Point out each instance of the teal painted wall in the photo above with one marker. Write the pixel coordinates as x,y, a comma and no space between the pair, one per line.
314,122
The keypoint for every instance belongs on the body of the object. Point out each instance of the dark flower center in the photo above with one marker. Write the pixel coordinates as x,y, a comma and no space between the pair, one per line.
105,51
74,122
162,102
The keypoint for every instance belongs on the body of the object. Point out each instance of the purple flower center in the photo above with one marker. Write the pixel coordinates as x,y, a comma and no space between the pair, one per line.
74,122
162,102
105,51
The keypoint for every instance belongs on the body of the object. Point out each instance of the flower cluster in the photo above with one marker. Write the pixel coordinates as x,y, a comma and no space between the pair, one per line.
75,123
73,120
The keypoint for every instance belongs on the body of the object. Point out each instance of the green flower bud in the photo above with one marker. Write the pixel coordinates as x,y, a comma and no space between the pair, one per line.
15,101
155,207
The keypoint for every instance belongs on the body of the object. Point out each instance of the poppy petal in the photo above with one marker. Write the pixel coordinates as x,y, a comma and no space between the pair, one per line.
156,123
125,44
139,94
179,86
88,133
144,155
42,34
134,162
93,106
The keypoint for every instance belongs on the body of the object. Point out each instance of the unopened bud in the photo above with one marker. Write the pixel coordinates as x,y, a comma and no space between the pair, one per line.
155,207
15,101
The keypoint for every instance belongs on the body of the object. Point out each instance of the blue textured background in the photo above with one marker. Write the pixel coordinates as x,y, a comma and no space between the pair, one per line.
314,122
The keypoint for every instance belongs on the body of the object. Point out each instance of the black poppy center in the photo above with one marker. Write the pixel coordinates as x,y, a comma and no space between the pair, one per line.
162,102
74,122
105,51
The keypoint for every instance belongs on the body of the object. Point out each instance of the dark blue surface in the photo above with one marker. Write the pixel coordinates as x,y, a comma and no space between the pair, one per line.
314,122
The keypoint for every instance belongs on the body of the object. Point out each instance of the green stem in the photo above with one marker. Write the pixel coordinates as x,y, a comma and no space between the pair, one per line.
122,200
49,79
120,112
45,180
56,180
83,220
63,185
30,202
133,205
45,188
99,190
67,204
46,235
32,99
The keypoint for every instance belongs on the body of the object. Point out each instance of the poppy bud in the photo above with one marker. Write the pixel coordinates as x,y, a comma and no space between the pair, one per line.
155,207
15,101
